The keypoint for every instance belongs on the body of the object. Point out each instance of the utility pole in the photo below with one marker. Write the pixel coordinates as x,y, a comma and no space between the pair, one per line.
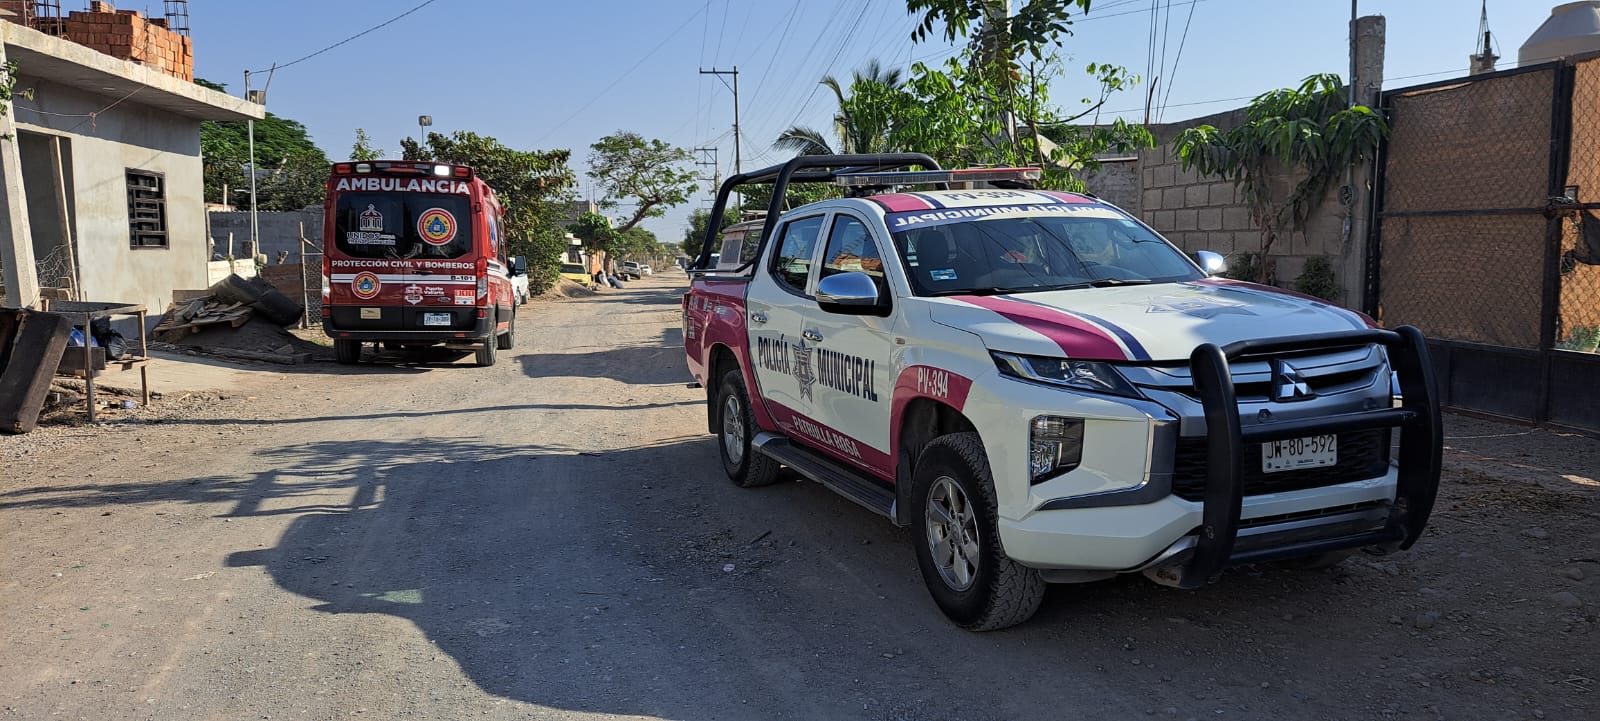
714,162
738,157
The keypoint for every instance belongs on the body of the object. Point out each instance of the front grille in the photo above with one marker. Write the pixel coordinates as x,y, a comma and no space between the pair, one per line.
1362,455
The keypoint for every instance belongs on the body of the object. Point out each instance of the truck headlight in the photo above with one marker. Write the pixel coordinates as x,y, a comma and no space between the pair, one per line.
1055,446
1094,376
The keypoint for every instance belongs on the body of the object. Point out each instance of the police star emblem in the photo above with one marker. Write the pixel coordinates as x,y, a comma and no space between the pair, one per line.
802,369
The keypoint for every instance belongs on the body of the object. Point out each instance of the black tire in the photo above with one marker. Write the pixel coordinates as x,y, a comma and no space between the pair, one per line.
736,425
998,592
347,352
278,308
485,353
505,340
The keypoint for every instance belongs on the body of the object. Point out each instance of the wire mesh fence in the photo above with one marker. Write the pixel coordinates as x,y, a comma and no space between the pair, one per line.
1578,318
1463,235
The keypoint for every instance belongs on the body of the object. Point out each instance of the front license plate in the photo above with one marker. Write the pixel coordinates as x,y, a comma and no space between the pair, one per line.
436,319
1297,453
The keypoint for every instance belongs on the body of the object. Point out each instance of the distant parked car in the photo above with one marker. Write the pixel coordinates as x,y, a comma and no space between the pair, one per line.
519,279
632,271
575,273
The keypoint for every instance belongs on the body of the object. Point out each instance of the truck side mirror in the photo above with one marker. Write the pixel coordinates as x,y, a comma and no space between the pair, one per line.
852,293
1211,263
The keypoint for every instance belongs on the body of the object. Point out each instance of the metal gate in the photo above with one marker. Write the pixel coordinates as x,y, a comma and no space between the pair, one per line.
1484,187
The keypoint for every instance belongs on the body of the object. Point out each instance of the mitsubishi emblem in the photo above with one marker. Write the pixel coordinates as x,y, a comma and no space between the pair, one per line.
1287,385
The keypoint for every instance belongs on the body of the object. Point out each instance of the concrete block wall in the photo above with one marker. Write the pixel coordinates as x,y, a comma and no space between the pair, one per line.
280,231
1200,212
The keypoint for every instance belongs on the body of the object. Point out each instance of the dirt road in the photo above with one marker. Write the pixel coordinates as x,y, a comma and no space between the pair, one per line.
552,538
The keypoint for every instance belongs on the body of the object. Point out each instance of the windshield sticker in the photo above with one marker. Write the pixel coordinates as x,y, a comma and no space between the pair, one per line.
404,185
436,226
933,218
371,220
365,285
943,274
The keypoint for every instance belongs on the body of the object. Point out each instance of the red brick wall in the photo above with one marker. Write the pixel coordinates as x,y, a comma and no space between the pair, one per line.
128,35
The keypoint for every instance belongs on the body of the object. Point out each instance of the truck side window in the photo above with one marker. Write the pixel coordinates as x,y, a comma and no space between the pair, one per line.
791,265
852,250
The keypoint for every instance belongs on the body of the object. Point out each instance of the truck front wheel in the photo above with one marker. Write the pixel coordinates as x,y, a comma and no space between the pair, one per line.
958,544
736,428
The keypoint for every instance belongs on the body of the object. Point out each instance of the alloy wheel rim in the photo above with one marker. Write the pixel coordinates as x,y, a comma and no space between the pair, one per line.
733,430
952,534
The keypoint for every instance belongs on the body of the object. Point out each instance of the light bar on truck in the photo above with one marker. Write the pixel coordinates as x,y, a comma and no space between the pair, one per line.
918,177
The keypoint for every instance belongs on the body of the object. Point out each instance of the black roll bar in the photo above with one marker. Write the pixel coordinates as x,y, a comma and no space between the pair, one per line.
1421,448
800,169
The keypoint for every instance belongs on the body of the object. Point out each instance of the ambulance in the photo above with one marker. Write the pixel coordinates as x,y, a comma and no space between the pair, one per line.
413,255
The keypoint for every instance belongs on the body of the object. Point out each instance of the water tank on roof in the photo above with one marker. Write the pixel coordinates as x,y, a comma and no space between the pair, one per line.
1571,29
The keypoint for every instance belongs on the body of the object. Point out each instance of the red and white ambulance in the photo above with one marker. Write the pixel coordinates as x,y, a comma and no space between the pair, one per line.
413,255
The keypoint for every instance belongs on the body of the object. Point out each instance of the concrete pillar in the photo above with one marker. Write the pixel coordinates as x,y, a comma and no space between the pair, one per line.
1351,265
20,275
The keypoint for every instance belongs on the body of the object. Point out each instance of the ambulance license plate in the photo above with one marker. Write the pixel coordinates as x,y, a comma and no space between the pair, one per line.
1297,453
436,319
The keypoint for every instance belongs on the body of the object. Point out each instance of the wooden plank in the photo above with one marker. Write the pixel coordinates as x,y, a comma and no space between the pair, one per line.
36,352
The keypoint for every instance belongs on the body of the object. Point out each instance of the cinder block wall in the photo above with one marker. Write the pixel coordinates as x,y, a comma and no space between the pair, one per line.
1200,212
129,35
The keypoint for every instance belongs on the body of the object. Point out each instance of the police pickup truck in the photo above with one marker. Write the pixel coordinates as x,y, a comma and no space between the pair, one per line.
1047,391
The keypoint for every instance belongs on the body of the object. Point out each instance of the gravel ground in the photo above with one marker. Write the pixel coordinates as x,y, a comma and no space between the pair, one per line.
552,538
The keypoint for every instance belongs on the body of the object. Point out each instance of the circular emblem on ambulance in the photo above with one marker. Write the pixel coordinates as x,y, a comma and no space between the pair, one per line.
365,285
436,226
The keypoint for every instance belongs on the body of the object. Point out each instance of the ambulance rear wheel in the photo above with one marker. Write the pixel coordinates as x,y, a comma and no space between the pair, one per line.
347,352
485,354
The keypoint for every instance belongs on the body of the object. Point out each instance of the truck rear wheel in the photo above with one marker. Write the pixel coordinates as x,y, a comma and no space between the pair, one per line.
485,352
346,352
958,543
736,428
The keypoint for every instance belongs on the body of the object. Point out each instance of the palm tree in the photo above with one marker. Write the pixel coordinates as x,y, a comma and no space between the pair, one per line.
853,135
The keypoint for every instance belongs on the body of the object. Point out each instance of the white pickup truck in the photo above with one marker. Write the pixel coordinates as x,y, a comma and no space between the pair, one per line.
1045,390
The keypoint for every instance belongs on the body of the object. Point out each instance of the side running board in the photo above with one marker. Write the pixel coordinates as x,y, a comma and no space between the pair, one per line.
863,491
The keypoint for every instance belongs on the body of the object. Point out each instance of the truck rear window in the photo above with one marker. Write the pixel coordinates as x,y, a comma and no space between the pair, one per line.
402,225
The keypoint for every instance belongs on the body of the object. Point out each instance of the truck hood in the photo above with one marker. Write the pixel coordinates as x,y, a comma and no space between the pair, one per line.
1163,322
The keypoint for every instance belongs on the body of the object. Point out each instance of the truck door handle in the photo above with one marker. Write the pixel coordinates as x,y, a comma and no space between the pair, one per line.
758,317
812,336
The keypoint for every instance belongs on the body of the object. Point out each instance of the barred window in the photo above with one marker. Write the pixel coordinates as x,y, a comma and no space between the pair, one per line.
147,209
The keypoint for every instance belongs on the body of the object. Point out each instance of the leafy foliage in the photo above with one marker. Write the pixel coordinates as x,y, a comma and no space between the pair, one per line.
529,183
595,231
293,169
8,84
858,127
648,174
699,219
1037,25
1291,149
1318,279
363,149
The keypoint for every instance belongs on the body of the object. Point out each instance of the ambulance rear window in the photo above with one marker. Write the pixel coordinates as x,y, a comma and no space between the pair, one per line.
403,225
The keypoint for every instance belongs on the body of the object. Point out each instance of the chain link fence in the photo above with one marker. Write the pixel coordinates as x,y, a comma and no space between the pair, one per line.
1578,321
1462,232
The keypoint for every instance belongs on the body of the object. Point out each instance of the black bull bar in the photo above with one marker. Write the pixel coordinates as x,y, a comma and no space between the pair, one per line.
1421,444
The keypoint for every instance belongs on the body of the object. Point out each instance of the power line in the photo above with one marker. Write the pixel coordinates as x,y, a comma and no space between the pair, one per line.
379,26
619,78
1175,61
853,28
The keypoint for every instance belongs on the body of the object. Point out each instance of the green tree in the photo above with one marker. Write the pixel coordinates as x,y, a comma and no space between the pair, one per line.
529,184
595,231
1287,155
363,149
292,168
695,234
648,174
856,128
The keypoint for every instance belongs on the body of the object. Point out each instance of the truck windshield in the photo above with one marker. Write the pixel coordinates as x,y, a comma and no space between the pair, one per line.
1013,253
402,225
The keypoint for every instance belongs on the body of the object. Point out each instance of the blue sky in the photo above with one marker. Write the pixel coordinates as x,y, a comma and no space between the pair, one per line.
543,74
